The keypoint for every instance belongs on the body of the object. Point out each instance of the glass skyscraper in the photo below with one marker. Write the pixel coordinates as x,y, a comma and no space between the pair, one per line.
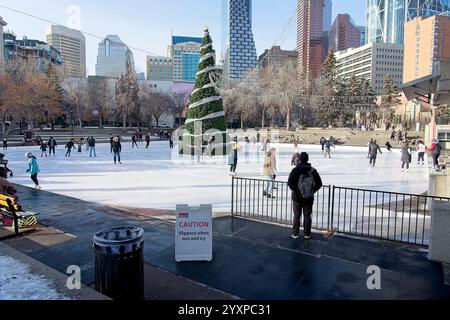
185,55
238,45
386,18
114,58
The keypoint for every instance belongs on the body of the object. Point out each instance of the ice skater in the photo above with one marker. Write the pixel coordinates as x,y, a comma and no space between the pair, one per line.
233,157
134,141
322,143
5,144
147,140
373,153
406,156
269,171
33,169
170,141
117,149
43,149
51,146
436,150
91,143
421,149
388,146
69,146
328,146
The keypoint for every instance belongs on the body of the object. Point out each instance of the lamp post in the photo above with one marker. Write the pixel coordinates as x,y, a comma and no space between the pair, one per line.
71,119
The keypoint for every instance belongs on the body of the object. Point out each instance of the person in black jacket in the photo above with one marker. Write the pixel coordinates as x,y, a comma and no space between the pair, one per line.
51,146
69,146
300,204
117,148
91,143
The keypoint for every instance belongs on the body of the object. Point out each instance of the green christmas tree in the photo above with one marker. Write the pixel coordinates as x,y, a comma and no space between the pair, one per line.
206,123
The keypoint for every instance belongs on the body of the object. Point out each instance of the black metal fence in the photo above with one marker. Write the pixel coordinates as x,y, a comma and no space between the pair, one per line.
384,215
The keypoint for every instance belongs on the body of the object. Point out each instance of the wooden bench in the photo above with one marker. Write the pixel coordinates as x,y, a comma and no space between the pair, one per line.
10,209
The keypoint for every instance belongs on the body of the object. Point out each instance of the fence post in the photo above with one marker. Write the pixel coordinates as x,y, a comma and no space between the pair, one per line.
232,196
331,217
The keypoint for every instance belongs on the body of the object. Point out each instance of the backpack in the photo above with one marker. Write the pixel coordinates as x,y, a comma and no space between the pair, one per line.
306,185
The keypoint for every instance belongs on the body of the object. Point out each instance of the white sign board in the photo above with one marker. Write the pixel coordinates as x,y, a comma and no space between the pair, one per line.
193,233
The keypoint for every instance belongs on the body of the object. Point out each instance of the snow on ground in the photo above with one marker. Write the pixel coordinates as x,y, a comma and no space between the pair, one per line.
155,178
18,283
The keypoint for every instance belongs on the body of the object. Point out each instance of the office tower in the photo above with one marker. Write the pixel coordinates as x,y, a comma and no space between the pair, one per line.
327,14
114,58
72,46
239,51
427,41
310,36
159,68
343,34
372,62
362,32
185,55
386,18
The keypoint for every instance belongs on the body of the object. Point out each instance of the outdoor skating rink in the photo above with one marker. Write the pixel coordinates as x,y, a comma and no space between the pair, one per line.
156,178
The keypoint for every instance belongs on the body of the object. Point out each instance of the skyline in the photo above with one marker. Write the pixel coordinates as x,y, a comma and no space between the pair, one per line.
156,20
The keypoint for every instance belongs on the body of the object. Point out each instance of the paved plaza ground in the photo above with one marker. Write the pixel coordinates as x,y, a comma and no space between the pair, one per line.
158,179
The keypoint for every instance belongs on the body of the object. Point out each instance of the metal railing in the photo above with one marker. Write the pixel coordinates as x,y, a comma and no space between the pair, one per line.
383,215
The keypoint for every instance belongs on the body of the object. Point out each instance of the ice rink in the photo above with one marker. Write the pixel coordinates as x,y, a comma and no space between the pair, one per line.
155,178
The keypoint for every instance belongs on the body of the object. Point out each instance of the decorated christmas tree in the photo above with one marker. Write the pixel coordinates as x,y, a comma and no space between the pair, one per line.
205,127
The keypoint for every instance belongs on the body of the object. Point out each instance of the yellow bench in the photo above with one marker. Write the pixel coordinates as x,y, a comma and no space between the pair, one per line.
10,209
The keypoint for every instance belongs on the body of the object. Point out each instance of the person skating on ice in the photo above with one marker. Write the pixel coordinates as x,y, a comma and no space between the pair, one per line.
421,149
117,149
43,149
69,146
51,146
373,153
33,169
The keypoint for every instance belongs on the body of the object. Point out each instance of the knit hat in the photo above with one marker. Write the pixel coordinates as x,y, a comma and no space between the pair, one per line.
304,157
28,154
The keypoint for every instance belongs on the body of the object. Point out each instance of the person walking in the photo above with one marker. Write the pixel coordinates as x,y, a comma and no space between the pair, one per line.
43,149
5,144
33,169
421,149
51,146
147,140
304,181
91,143
406,155
117,149
373,153
233,157
269,171
328,146
436,150
69,146
134,141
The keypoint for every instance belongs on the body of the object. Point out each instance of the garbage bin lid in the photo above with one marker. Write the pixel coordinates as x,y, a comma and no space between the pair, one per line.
119,236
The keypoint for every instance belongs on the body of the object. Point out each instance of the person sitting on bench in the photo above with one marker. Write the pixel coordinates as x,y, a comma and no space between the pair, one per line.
6,187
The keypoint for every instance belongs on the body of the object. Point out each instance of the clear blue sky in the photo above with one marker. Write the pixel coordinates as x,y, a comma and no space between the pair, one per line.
147,24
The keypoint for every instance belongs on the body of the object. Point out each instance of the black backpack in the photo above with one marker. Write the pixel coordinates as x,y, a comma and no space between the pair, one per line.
306,185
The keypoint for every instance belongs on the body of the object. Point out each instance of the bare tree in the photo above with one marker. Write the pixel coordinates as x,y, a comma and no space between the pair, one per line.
127,94
154,104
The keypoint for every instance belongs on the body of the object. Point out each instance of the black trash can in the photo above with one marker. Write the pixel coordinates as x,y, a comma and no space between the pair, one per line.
119,263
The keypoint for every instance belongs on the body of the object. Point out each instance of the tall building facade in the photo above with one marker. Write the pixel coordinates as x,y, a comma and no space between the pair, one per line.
372,62
362,32
238,45
276,55
2,49
185,55
427,40
343,34
310,36
386,18
114,58
33,51
72,46
159,68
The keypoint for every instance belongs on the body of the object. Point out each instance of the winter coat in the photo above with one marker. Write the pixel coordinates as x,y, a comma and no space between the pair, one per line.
269,167
52,143
33,165
70,145
43,147
374,149
91,142
117,147
294,177
406,154
436,148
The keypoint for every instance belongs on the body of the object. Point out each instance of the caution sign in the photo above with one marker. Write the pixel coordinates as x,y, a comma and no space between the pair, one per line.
193,233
